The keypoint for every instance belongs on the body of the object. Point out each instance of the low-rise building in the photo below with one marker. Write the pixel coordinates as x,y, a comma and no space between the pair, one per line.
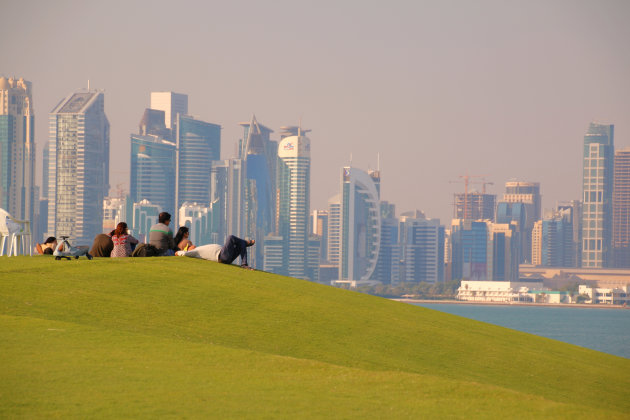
605,296
498,291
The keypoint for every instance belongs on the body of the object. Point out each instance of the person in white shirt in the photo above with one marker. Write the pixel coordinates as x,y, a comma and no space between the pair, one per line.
226,254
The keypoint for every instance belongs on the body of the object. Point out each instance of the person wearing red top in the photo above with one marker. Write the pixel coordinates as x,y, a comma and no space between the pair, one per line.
122,241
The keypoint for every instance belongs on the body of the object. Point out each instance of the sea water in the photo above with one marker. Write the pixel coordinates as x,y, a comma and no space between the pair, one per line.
602,329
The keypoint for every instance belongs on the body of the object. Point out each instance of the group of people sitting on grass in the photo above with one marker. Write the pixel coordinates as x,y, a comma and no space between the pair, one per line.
119,243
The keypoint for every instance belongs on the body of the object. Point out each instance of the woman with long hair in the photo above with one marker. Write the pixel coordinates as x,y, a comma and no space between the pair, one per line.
122,241
182,243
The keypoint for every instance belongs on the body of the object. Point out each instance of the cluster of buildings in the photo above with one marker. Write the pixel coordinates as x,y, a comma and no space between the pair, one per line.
263,192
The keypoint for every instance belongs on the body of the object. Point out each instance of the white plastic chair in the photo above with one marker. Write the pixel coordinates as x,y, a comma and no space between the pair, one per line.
17,231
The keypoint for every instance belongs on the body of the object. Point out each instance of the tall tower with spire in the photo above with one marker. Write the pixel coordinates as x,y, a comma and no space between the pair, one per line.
258,155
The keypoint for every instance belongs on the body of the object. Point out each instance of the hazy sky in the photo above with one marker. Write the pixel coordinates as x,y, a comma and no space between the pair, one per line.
439,88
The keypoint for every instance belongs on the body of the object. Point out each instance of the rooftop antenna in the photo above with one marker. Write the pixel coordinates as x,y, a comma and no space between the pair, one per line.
88,85
378,162
300,127
350,158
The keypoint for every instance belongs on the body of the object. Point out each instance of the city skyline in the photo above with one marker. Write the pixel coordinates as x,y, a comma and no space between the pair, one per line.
503,90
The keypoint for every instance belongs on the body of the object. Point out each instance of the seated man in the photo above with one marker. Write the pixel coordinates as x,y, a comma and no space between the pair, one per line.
47,247
102,246
161,236
226,254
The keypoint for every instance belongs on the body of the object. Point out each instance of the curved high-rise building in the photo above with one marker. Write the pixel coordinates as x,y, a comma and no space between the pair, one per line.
360,224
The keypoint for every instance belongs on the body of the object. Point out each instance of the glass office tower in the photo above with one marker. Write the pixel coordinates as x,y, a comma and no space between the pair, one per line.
78,166
198,144
259,189
153,171
17,150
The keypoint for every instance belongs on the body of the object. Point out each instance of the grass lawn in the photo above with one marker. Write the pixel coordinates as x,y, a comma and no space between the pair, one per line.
179,337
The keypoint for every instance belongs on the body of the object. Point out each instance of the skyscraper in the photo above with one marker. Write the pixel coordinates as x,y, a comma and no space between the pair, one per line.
506,251
597,187
516,212
621,209
258,154
293,192
154,154
17,150
387,268
334,230
360,224
527,193
172,104
320,229
556,239
422,243
470,244
482,250
198,144
475,206
79,166
572,211
42,221
153,171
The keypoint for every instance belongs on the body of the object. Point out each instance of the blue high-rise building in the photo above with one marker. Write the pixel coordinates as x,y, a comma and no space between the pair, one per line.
198,144
597,187
516,212
259,189
485,251
555,237
78,166
153,171
422,243
469,244
387,268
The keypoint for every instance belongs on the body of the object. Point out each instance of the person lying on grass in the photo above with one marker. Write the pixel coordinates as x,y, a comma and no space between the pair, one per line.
226,254
47,247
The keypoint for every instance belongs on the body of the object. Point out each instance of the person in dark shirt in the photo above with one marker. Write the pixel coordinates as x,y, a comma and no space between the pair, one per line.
102,246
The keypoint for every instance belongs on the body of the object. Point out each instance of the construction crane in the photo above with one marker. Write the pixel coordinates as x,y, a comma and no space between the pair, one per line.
467,180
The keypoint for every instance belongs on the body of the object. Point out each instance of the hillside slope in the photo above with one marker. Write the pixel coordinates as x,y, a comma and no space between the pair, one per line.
183,337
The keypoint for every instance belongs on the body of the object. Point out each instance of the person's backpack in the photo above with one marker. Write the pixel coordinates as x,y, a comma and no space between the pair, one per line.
145,250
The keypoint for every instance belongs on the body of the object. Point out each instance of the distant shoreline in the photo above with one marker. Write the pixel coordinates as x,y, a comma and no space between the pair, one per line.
555,305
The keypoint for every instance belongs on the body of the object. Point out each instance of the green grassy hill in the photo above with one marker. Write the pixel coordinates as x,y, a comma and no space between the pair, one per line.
148,337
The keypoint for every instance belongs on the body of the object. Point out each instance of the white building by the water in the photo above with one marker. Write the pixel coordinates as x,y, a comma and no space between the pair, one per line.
499,291
606,296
